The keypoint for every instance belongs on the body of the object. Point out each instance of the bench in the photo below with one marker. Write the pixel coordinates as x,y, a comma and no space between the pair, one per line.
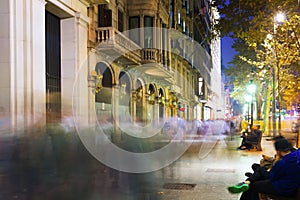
256,144
273,197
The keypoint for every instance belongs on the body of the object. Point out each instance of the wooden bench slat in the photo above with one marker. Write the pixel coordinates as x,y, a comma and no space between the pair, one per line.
256,144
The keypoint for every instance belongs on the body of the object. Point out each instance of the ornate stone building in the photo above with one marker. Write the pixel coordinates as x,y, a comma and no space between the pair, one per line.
114,58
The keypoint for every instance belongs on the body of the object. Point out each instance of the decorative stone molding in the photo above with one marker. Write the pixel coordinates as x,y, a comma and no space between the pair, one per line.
60,9
97,1
82,19
85,2
42,2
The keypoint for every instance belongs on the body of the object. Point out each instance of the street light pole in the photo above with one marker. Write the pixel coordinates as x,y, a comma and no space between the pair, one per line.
251,89
252,103
273,101
278,18
248,119
248,99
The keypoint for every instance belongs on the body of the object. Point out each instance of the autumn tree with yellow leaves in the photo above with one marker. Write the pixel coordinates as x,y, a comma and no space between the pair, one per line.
265,49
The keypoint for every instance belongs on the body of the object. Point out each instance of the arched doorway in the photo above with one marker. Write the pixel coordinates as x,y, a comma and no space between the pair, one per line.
124,97
103,99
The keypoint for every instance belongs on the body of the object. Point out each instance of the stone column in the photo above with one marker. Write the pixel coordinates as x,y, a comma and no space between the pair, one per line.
6,62
133,104
74,65
38,70
156,113
116,134
22,58
69,68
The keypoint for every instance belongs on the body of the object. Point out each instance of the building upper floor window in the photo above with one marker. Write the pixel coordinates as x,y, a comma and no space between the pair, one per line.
172,11
148,37
104,16
183,3
134,25
187,7
120,21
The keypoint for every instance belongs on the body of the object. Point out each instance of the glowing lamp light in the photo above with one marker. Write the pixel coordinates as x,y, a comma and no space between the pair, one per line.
280,17
251,88
248,98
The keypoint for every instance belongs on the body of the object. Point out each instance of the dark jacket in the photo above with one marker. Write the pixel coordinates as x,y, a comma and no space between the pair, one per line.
285,174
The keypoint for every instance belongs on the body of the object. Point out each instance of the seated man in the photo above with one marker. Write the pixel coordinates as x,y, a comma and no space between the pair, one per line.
283,179
248,138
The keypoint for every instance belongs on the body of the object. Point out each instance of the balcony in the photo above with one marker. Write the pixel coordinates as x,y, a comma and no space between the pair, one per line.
154,64
150,56
120,48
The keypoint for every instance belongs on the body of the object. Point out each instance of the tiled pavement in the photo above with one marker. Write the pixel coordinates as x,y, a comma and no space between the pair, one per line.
211,174
209,165
222,167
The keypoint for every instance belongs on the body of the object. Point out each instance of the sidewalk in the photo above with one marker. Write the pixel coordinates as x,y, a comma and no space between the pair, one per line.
43,168
212,175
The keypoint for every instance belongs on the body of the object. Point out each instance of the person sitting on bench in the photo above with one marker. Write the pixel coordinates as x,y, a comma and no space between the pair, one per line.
284,177
249,138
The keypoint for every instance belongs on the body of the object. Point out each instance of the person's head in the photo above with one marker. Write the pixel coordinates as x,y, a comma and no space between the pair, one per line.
278,138
283,147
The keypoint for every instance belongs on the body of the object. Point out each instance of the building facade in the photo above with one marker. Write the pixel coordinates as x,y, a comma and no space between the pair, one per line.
118,58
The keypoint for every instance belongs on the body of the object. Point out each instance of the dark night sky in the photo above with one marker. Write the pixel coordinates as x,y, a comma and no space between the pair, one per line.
227,52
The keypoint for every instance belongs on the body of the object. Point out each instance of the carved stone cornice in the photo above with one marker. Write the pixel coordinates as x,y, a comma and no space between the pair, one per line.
97,1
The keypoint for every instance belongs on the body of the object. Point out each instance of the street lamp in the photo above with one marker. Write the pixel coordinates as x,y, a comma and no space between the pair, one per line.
248,99
251,88
279,18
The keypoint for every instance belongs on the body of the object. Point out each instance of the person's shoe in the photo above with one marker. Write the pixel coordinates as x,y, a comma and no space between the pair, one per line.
241,187
241,148
248,174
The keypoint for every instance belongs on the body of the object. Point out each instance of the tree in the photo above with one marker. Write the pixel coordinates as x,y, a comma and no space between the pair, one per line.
249,23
